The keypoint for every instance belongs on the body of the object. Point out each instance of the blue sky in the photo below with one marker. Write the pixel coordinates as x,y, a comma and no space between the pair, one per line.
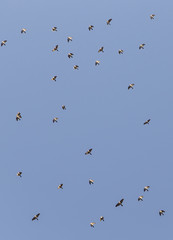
101,114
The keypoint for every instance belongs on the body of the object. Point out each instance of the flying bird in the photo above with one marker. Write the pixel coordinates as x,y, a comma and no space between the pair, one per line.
3,43
140,198
70,55
69,39
19,174
55,48
18,116
91,181
120,51
146,188
141,46
120,203
54,78
161,212
76,67
54,29
92,224
131,86
102,219
101,49
23,30
63,107
90,27
97,62
109,21
36,217
152,16
55,120
147,122
89,151
60,186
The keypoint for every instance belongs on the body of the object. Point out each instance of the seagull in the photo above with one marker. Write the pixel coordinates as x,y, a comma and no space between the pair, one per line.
120,203
108,21
76,67
131,85
161,212
120,51
60,186
152,16
70,55
36,217
89,151
97,62
90,27
146,188
147,122
141,46
23,30
69,39
140,198
55,48
19,174
101,49
3,43
18,116
54,29
55,120
54,78
102,219
92,224
91,181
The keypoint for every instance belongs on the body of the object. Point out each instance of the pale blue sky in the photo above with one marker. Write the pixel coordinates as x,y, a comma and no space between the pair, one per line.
101,114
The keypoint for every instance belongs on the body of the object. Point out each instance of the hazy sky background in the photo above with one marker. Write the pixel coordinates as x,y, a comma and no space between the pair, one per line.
101,114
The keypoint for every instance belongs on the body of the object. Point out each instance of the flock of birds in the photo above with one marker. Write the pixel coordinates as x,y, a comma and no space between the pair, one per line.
55,119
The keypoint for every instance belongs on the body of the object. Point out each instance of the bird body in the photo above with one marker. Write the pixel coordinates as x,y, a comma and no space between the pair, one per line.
97,62
120,51
23,30
36,217
70,55
120,203
69,39
89,151
140,198
147,122
141,46
90,27
92,224
19,174
54,78
55,120
101,49
55,48
3,43
54,29
131,86
146,188
76,67
161,212
18,116
63,107
109,21
102,219
152,16
60,186
91,181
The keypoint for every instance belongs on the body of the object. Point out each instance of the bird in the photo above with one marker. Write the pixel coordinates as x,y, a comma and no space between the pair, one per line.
36,217
146,188
69,39
91,181
141,46
90,27
140,198
55,120
102,219
97,62
92,224
100,49
161,212
18,116
55,48
63,107
152,16
60,186
131,85
19,174
76,67
54,78
147,122
23,30
109,21
120,203
120,51
89,151
70,55
3,43
54,29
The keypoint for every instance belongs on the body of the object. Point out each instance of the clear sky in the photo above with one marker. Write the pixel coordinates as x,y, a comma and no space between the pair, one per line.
101,113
